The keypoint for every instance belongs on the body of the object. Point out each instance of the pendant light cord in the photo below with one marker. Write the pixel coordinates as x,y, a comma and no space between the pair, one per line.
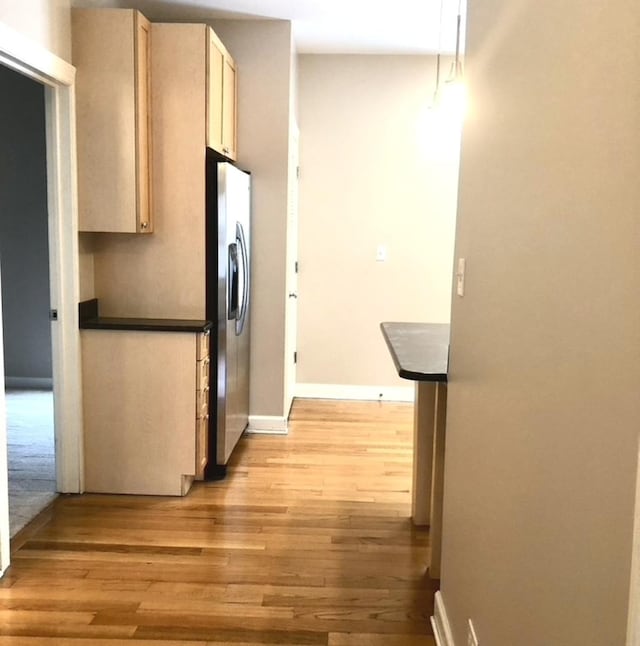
435,94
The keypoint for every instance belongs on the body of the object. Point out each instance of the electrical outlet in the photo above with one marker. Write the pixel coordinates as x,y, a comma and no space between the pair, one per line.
472,639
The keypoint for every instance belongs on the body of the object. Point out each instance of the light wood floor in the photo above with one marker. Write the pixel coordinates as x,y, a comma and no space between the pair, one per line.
307,541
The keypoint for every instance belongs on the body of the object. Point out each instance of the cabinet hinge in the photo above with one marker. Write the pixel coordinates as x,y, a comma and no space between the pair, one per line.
53,315
297,172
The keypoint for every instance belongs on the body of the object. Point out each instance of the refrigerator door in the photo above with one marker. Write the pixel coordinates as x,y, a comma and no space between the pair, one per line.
233,216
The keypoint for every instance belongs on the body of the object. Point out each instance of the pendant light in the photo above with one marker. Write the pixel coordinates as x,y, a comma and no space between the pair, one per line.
453,86
456,75
436,92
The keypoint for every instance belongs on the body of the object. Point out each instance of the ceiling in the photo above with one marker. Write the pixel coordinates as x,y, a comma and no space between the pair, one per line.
328,26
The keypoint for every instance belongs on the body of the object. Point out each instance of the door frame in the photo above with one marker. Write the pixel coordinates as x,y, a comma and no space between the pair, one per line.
58,77
291,275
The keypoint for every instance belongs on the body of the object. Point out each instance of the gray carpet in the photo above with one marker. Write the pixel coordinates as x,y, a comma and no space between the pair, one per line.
32,470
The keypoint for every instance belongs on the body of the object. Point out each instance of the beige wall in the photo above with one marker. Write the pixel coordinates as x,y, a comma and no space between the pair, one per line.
377,167
86,265
262,50
545,356
46,22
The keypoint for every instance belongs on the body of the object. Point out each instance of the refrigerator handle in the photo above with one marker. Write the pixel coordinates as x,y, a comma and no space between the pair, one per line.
244,306
232,281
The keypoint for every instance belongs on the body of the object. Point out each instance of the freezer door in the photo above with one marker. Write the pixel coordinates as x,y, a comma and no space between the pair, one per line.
234,219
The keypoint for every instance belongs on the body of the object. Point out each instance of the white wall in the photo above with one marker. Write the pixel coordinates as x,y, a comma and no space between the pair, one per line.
24,245
377,167
545,355
46,22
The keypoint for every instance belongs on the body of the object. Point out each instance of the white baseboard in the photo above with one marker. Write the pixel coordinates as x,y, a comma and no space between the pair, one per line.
362,393
440,623
29,383
268,425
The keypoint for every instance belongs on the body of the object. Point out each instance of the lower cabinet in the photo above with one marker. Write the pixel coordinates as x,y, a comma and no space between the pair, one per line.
145,397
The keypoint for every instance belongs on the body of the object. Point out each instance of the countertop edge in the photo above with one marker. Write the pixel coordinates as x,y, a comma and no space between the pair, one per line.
413,375
147,325
90,319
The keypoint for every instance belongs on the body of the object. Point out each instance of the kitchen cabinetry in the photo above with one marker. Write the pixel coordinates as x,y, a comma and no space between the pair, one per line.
221,97
111,52
145,399
202,403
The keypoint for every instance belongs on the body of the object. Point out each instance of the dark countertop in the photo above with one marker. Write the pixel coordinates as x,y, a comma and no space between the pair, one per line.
420,351
91,320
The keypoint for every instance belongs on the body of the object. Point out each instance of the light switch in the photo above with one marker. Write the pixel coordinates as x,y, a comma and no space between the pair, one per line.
460,277
381,253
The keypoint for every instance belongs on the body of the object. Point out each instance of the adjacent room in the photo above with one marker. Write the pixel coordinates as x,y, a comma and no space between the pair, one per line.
24,263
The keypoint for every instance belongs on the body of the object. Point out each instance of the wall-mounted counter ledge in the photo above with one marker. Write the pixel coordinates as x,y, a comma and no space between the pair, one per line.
91,320
420,351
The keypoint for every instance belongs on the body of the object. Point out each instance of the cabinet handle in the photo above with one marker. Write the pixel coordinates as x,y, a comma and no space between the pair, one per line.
144,225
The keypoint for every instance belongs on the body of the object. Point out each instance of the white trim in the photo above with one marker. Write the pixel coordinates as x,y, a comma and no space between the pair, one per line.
29,383
65,288
362,393
5,543
440,623
35,62
268,425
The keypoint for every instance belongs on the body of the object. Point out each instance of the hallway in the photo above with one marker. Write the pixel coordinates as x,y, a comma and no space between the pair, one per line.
307,541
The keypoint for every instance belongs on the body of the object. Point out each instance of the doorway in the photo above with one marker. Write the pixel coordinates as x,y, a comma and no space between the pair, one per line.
291,314
24,265
57,79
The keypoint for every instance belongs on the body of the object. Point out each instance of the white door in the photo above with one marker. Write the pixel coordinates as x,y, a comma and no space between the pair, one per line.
291,314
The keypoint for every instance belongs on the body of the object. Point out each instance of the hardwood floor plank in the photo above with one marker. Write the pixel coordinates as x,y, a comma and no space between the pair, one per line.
308,541
79,641
235,636
354,639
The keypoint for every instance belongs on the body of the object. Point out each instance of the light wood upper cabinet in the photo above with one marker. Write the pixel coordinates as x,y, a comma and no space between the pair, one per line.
229,107
111,52
221,98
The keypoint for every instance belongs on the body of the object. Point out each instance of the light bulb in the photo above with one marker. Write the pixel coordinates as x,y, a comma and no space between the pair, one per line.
454,99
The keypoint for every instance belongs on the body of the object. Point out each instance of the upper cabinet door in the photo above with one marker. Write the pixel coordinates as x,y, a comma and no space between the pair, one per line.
144,217
229,107
221,98
215,74
111,50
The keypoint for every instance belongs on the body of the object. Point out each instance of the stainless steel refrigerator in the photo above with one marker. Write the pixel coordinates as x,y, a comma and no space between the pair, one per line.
228,219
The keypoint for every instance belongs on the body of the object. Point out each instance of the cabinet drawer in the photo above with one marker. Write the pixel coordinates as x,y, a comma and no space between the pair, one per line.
202,373
202,403
202,445
202,345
